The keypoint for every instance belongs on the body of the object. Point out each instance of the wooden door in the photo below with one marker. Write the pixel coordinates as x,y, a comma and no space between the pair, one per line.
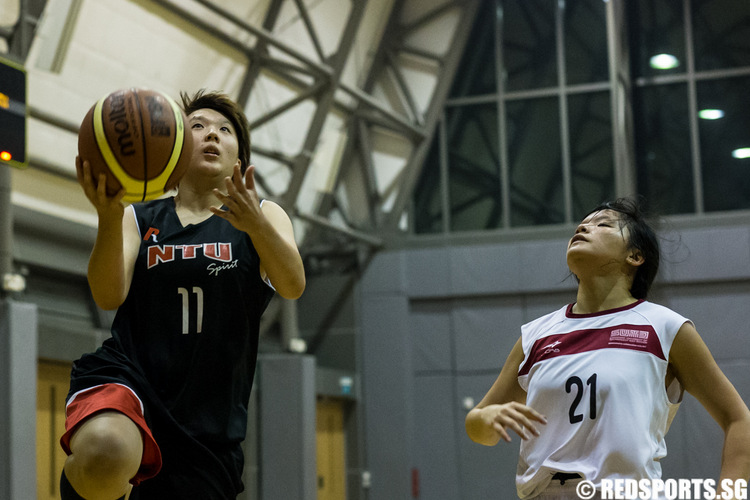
331,450
53,380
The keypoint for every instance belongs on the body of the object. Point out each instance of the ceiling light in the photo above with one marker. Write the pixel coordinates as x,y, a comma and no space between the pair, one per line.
664,61
711,114
741,153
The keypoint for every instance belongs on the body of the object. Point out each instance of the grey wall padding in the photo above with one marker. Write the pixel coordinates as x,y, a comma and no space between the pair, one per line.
18,356
286,389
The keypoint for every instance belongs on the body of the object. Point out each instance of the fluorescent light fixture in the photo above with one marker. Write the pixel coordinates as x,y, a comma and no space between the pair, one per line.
741,153
711,114
664,61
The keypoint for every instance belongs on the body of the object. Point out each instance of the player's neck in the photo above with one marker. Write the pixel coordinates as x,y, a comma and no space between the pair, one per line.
195,201
194,208
598,295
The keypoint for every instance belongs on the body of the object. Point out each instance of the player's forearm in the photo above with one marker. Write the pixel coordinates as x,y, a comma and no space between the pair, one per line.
280,260
287,278
106,270
283,266
735,460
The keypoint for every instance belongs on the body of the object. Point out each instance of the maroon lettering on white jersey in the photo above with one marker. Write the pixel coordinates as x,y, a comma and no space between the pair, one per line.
633,337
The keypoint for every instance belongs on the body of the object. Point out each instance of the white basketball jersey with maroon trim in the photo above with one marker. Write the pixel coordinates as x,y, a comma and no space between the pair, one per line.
599,380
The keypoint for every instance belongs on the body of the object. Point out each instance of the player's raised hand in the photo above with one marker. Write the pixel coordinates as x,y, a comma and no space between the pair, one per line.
241,201
96,191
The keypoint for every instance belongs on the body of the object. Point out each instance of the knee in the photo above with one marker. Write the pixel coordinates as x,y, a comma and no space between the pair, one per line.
104,452
107,449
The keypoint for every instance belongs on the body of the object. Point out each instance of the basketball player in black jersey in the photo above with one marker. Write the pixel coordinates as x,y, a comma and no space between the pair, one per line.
160,409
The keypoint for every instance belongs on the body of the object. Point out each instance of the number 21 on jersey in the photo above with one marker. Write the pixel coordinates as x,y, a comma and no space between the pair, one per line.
575,385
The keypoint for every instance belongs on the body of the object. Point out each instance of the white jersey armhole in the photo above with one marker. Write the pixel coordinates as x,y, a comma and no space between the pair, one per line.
675,392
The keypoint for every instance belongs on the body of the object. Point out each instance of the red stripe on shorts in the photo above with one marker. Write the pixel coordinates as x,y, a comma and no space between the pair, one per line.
113,397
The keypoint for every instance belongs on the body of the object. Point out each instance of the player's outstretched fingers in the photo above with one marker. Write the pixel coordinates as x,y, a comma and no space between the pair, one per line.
529,416
519,418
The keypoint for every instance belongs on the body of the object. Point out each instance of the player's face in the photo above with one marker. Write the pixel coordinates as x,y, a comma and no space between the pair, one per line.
215,145
600,242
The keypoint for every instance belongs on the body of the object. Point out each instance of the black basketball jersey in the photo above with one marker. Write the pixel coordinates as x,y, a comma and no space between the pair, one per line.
191,318
186,341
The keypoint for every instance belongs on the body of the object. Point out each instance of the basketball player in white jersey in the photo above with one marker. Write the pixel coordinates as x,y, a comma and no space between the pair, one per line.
592,388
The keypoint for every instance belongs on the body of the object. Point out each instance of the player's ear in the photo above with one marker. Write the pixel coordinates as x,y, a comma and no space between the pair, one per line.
635,258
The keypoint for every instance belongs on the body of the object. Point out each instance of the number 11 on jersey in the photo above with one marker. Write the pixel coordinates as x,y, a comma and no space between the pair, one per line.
186,313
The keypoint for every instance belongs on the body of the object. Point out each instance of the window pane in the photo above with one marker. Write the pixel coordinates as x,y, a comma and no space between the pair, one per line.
586,41
663,159
592,167
477,74
721,29
428,210
726,179
529,53
473,167
656,27
535,162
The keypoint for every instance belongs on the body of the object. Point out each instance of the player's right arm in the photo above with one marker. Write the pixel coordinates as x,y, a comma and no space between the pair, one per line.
116,246
503,408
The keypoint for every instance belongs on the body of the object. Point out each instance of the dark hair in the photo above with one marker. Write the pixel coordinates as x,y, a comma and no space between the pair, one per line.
641,237
227,107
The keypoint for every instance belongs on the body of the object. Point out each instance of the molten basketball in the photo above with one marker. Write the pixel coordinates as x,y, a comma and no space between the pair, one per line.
137,137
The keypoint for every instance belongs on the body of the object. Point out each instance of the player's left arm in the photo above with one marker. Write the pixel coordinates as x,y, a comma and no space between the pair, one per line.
696,369
270,229
280,260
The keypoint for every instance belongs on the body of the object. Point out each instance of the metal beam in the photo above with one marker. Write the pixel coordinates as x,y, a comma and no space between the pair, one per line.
421,53
325,103
204,25
310,28
435,14
623,140
261,49
264,35
310,92
366,101
373,241
327,203
368,172
20,36
358,144
406,94
367,115
414,165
